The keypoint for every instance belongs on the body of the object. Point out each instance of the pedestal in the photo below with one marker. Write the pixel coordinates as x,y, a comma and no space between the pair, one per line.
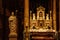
13,37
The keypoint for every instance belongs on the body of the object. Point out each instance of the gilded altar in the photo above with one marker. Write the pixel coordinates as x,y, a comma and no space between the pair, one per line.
40,24
42,21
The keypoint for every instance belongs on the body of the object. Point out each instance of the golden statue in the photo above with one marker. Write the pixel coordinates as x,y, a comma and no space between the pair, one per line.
13,25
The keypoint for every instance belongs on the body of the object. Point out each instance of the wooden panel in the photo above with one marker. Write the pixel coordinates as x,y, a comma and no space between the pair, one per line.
42,36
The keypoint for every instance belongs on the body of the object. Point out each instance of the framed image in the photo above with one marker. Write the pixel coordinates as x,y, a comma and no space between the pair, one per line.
40,23
40,14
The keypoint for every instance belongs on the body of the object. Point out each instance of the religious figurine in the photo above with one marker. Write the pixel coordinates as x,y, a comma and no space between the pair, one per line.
33,16
47,16
13,25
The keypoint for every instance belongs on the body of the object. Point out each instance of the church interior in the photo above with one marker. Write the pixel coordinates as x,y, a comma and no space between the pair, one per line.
29,20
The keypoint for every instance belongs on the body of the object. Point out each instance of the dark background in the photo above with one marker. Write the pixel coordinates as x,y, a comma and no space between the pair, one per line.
7,6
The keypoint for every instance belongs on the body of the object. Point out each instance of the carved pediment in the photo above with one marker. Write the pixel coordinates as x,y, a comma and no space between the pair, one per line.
41,8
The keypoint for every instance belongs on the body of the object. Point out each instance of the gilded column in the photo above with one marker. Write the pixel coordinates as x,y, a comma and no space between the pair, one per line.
54,14
26,13
30,18
26,18
51,19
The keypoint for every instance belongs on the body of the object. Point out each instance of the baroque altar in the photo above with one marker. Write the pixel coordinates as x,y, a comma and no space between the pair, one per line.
40,25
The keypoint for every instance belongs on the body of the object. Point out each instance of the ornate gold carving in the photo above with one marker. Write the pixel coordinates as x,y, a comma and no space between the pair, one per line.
41,22
40,8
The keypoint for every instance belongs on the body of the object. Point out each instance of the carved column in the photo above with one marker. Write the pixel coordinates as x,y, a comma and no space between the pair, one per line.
26,18
54,14
51,11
